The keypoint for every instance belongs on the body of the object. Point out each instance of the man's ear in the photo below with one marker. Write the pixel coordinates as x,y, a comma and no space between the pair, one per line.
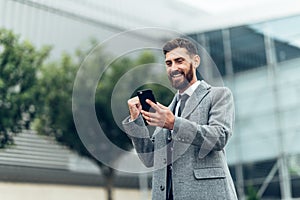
196,61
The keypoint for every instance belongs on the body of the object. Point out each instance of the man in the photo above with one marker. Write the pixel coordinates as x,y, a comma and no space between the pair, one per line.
187,147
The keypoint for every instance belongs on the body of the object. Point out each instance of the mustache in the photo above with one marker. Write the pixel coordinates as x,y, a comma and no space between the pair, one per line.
176,72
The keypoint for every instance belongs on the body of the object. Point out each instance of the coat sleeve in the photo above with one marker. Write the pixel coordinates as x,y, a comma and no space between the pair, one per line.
214,135
139,135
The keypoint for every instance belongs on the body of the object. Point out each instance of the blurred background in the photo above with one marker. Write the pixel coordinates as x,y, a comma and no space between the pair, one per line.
255,46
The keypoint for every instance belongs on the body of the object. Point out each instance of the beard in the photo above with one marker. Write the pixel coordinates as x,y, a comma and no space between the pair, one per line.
182,83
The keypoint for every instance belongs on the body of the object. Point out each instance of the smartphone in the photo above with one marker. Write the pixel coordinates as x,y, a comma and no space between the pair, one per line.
143,95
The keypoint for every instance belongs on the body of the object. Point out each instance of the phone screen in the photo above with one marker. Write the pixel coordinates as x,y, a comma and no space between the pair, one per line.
143,95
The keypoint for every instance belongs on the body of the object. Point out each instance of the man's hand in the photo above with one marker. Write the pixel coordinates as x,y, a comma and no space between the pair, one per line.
163,117
135,107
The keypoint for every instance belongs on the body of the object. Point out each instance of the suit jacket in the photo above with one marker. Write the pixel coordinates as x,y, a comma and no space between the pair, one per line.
200,170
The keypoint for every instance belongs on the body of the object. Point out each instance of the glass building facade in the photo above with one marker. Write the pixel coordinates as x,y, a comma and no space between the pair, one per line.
262,69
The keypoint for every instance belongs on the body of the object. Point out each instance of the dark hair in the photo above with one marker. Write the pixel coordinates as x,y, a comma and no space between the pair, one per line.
181,43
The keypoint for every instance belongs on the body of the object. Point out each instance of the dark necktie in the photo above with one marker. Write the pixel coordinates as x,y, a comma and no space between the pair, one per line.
183,98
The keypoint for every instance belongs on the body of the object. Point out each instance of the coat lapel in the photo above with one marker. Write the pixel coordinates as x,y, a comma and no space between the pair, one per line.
196,98
173,103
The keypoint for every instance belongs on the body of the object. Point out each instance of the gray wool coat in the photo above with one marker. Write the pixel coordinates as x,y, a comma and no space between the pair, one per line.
200,170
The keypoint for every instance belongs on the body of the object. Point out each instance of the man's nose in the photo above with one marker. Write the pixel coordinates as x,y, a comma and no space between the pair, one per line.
174,66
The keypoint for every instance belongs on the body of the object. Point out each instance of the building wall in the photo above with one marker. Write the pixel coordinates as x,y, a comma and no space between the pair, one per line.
44,26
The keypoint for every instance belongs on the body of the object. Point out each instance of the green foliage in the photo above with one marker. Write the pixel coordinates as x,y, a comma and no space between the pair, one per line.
252,193
105,91
55,98
55,103
19,64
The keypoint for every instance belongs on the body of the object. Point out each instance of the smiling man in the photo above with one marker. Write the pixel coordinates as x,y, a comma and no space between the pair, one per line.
187,147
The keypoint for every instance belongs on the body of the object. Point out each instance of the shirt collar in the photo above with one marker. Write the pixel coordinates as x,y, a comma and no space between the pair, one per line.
190,90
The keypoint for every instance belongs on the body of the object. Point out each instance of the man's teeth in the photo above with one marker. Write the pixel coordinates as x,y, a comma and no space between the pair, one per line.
177,75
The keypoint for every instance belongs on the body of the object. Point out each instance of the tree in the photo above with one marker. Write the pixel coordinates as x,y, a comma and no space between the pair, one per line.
30,91
104,95
19,64
55,103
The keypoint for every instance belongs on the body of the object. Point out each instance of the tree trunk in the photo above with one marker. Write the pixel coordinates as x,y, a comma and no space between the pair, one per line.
109,175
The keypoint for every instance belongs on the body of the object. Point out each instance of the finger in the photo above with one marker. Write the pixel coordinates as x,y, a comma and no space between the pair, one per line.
134,100
152,104
145,116
149,120
152,122
134,103
148,114
161,106
134,107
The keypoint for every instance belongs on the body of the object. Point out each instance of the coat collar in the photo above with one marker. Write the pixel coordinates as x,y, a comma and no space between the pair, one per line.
193,100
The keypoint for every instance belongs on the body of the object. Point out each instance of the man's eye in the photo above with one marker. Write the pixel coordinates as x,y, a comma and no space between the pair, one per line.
179,60
169,64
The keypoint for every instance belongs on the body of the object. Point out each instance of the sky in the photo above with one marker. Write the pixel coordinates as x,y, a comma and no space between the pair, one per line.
281,16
